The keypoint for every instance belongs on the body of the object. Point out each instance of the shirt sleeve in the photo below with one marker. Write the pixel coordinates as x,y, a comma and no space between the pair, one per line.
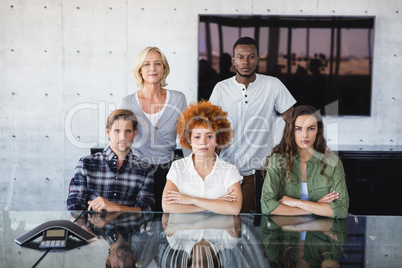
125,103
183,102
271,186
173,175
77,193
145,199
186,152
234,176
340,206
284,99
215,98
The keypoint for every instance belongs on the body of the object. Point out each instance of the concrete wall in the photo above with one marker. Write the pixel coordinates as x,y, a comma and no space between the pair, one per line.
64,65
383,241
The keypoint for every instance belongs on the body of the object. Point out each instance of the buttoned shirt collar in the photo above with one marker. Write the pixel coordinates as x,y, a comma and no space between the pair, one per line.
190,168
243,86
111,155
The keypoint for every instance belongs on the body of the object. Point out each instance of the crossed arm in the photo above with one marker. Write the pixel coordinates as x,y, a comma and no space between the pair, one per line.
175,202
293,206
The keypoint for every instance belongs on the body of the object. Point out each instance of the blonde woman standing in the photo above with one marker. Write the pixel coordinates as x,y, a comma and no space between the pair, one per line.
157,110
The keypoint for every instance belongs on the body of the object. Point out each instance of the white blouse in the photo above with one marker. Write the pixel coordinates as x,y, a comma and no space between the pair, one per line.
186,178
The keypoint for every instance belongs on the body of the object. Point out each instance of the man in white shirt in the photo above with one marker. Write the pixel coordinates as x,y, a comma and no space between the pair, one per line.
251,101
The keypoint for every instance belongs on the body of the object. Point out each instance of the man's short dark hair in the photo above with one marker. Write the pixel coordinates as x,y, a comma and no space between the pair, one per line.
245,41
124,114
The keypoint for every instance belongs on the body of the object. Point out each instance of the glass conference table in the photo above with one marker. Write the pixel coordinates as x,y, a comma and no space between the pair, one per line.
205,240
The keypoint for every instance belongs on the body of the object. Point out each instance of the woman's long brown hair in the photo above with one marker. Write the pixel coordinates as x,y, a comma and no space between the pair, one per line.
288,147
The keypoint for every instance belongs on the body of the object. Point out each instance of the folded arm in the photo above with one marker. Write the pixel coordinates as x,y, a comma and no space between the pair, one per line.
169,207
175,202
292,205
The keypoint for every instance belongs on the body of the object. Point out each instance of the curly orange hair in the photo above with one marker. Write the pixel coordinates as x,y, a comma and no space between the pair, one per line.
207,115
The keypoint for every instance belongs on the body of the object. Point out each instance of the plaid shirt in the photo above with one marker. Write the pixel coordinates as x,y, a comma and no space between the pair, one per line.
97,175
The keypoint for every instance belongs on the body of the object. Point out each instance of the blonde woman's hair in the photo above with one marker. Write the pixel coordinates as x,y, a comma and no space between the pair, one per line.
140,61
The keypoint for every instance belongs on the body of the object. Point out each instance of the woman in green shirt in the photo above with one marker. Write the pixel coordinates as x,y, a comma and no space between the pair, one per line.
303,176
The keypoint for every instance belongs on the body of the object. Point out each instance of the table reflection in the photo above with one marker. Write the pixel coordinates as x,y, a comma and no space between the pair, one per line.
200,240
123,231
303,241
134,239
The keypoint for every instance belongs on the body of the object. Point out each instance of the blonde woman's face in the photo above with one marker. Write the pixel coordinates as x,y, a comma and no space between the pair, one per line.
152,69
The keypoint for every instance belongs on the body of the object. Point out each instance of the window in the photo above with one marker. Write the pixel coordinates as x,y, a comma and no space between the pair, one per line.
321,60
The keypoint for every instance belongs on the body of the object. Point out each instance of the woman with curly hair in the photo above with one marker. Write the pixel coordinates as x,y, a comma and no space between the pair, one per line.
202,181
303,176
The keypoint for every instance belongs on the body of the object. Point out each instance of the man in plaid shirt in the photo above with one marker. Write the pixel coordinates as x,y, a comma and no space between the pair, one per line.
115,179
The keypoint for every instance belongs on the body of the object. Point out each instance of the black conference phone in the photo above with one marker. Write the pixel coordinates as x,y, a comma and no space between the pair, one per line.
55,234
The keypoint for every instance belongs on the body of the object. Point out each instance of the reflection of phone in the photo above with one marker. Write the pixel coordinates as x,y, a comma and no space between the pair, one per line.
54,238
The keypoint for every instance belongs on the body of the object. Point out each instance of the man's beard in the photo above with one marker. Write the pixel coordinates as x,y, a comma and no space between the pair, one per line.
246,75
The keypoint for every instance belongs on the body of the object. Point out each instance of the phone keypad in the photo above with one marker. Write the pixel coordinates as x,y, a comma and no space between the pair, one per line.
53,244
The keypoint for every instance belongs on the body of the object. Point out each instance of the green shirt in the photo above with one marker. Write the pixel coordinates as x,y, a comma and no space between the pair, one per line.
318,185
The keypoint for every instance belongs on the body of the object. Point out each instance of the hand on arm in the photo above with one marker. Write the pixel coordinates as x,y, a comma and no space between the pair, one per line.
169,206
329,197
173,197
228,196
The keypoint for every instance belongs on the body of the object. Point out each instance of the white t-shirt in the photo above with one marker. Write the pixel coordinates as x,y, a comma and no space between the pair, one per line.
252,112
186,178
